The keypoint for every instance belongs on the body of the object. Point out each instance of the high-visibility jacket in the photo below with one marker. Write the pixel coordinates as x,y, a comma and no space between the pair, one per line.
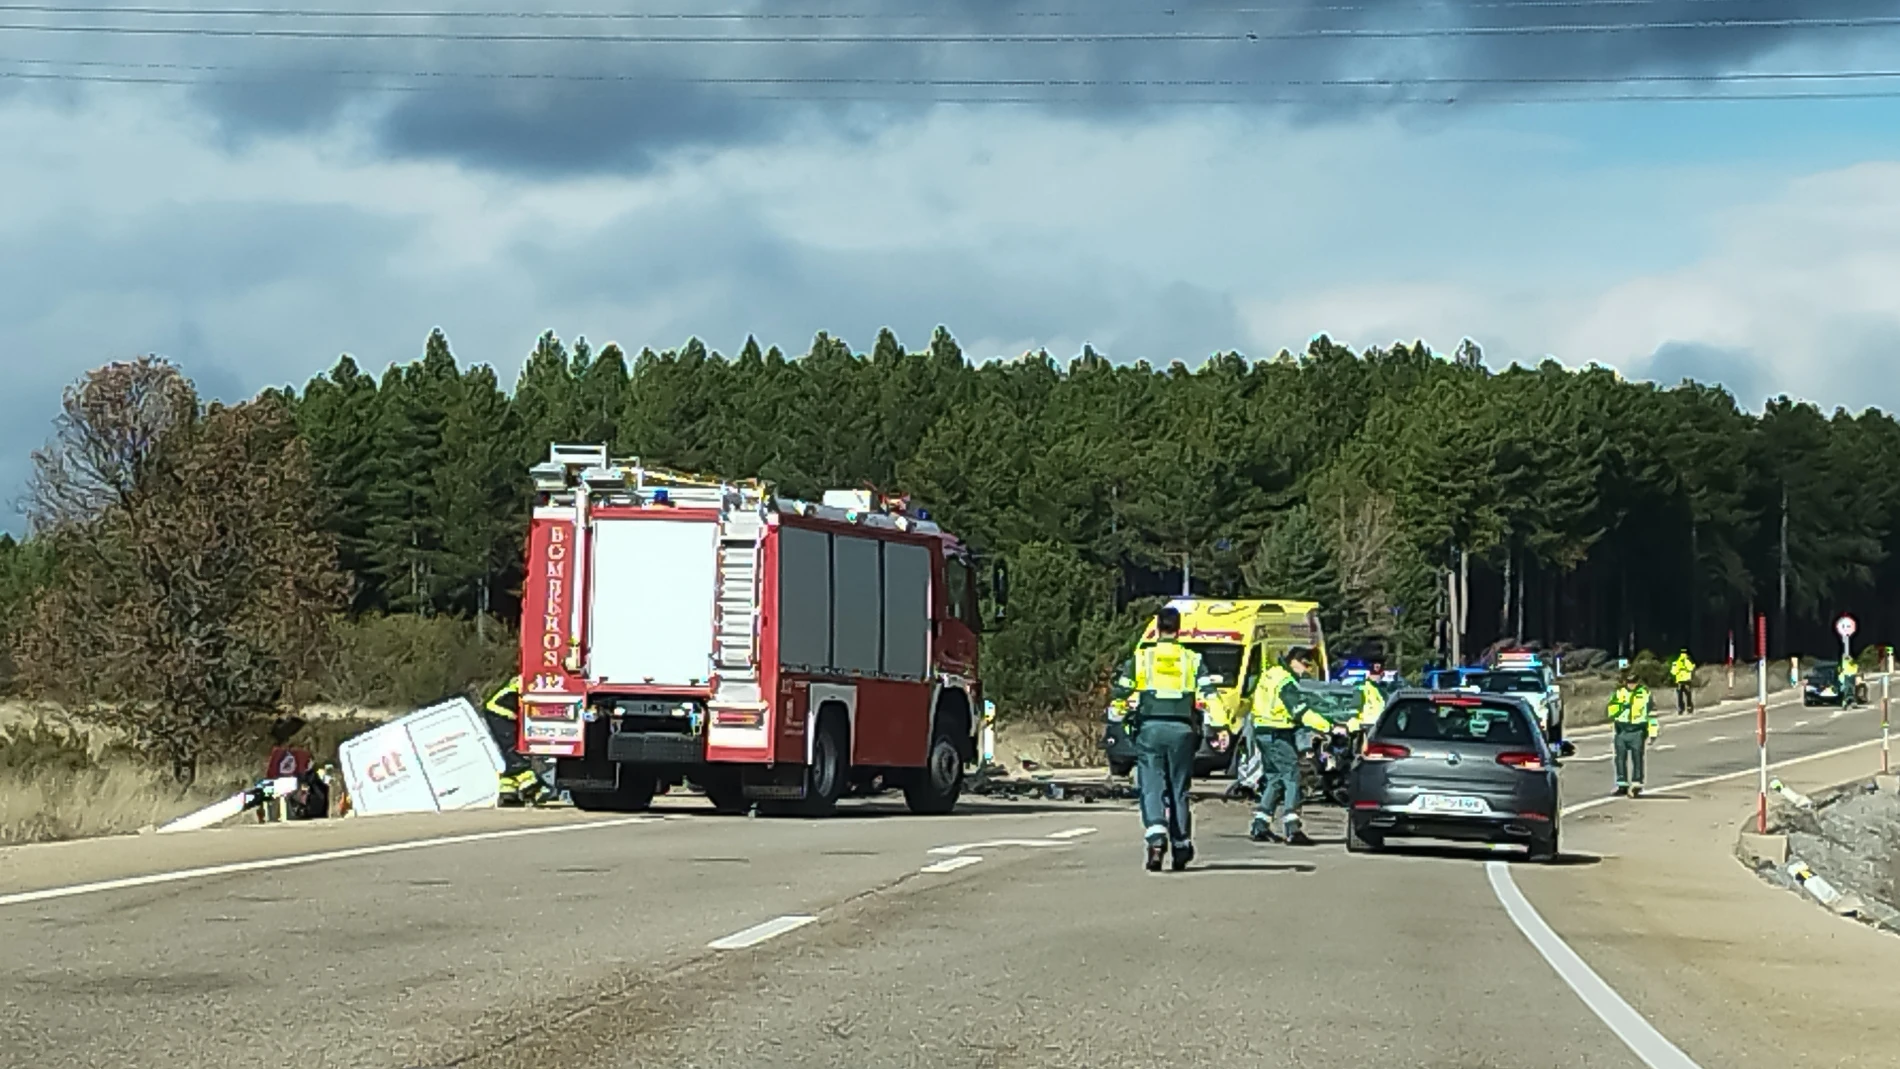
1277,700
506,702
1371,704
1630,705
1168,677
1682,669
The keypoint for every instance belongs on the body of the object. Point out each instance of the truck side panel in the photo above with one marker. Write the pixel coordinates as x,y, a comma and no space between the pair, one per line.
906,611
857,566
804,599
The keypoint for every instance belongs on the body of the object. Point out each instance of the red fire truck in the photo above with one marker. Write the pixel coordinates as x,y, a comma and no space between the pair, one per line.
768,650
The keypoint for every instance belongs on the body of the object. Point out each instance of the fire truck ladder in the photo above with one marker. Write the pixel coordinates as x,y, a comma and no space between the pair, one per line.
735,632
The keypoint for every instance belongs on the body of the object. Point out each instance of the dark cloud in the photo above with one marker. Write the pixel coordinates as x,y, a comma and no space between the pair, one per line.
1745,375
232,292
489,104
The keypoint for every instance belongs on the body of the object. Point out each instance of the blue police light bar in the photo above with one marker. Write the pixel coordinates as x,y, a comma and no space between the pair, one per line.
661,497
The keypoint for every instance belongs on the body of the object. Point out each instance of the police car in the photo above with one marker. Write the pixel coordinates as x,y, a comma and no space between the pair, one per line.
1525,675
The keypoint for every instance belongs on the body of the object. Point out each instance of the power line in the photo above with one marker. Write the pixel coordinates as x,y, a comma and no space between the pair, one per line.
1307,34
1309,98
817,16
1712,78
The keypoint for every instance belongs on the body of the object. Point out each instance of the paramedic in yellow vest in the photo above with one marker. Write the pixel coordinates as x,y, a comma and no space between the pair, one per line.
1279,707
1682,674
1635,725
1161,683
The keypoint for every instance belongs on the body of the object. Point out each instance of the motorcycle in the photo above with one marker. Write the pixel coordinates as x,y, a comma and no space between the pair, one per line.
1332,756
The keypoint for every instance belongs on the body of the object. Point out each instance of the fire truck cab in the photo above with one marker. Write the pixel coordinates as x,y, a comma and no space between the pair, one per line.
768,650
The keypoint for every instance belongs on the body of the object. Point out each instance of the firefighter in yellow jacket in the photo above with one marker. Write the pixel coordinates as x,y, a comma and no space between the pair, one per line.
1279,709
518,779
1635,724
1160,685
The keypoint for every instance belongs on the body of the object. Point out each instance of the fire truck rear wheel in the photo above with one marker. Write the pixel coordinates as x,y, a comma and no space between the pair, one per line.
724,790
634,795
937,786
829,769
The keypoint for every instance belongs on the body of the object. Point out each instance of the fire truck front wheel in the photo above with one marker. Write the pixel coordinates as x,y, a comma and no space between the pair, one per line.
634,795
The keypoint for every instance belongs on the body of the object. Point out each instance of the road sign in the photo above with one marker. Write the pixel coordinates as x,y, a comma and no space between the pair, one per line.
1844,626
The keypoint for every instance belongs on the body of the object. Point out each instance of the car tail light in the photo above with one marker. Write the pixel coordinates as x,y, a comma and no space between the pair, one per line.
1457,699
1365,804
1534,816
1523,760
1385,751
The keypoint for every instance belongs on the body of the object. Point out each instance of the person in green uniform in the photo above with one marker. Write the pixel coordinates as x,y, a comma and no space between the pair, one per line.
1635,724
1279,707
1160,684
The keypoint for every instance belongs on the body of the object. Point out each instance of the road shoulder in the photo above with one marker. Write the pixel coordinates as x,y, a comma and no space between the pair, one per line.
1734,971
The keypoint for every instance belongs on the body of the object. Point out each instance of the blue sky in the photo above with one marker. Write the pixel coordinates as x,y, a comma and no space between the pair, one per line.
255,231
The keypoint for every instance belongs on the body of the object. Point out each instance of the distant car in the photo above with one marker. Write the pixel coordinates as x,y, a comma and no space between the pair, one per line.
1458,766
1534,687
1822,686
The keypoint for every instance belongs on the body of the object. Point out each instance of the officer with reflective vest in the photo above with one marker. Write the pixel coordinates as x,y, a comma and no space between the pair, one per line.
1682,674
1635,724
1279,708
1371,699
1160,684
1849,679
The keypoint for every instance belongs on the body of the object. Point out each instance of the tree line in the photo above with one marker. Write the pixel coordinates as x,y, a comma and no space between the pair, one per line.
1422,499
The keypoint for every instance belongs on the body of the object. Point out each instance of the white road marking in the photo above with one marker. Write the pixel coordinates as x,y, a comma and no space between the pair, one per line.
951,864
1594,757
1592,803
759,933
959,848
1072,833
1718,738
1801,723
1667,746
266,864
1636,1033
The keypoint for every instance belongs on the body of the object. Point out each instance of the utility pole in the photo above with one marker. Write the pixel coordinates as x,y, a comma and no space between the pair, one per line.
1186,591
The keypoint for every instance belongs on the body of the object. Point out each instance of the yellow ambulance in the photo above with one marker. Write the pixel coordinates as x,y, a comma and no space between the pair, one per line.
1237,639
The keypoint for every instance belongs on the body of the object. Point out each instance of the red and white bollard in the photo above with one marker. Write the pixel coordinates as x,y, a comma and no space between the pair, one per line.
1761,721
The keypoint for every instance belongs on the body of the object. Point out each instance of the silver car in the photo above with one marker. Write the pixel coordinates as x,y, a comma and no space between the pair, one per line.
1459,766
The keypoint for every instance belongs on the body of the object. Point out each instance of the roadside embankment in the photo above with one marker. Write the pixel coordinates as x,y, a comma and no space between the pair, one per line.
1839,847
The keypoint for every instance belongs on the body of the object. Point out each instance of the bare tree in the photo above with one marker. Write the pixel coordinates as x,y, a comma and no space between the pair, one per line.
106,439
193,580
1365,538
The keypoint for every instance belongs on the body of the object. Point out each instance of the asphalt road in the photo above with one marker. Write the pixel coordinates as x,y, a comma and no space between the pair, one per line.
620,945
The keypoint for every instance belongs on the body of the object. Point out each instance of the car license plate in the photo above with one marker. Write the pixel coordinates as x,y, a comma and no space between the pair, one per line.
1461,804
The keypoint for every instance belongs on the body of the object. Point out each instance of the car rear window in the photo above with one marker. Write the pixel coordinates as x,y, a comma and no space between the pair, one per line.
1423,719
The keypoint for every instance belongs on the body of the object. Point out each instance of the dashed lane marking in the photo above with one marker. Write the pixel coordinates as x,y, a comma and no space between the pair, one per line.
266,864
759,933
1636,1033
951,864
1072,833
960,848
1717,738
